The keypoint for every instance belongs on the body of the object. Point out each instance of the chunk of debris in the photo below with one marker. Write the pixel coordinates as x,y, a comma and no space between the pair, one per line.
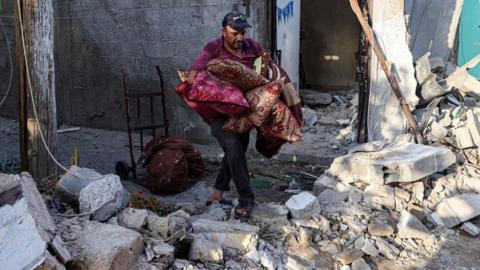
379,229
399,162
133,218
386,249
235,235
269,213
470,228
315,98
103,198
360,264
205,251
118,249
27,227
303,205
70,184
410,227
329,196
473,126
348,256
369,248
458,209
157,224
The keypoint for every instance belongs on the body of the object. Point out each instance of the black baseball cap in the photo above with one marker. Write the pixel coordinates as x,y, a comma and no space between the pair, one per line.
235,20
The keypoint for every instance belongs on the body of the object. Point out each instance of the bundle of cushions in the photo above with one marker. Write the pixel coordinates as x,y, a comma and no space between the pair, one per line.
270,104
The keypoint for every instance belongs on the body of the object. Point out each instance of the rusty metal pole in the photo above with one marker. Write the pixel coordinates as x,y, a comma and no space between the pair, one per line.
386,66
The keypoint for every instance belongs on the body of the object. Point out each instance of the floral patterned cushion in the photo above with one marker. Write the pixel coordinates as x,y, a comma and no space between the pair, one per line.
219,95
261,100
206,112
238,124
236,73
281,124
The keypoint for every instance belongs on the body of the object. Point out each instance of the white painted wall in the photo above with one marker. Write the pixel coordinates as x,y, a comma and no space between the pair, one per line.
288,36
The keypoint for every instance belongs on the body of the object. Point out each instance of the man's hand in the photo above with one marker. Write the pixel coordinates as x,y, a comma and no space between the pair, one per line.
191,76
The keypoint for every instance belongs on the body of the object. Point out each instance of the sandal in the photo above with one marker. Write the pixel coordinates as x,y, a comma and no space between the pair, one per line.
222,201
243,209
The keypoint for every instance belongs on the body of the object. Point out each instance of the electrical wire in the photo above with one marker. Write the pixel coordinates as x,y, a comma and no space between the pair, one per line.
34,105
10,61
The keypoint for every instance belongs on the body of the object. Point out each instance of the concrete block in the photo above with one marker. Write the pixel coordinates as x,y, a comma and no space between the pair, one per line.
105,246
398,162
103,198
470,228
303,205
463,138
235,235
458,209
329,196
410,227
473,125
205,251
315,98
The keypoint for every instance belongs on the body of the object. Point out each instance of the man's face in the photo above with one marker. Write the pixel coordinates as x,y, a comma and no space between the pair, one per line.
233,38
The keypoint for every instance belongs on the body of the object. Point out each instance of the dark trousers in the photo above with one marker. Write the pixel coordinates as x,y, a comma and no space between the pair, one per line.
234,164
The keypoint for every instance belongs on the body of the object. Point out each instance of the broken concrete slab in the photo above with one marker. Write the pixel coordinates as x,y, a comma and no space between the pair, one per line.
235,235
205,251
458,209
303,205
60,249
470,228
348,256
329,196
269,213
22,245
380,229
133,218
103,198
118,249
369,248
26,227
386,249
430,87
326,181
398,162
463,138
382,195
410,227
70,184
